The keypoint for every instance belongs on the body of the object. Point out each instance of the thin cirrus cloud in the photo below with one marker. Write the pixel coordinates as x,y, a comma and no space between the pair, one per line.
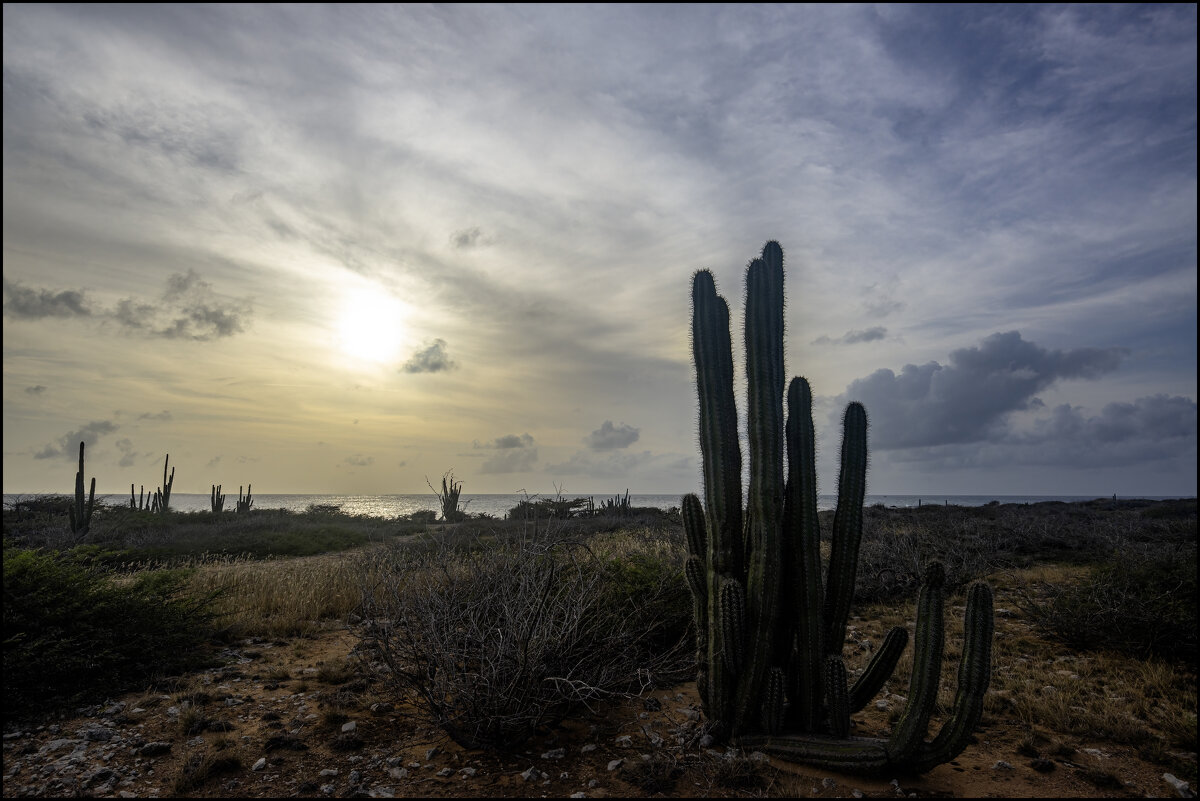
539,182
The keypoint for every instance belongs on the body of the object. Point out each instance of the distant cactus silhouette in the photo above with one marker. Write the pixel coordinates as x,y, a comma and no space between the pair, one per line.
162,496
81,513
769,640
218,500
244,504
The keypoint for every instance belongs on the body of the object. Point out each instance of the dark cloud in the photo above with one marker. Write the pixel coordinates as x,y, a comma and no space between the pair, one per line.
466,238
35,390
968,399
23,303
854,337
608,436
1156,432
188,309
432,359
513,454
68,444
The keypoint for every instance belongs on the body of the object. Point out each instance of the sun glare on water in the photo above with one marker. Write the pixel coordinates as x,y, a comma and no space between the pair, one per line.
370,326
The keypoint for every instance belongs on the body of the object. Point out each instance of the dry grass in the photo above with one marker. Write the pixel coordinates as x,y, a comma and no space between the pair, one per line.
280,598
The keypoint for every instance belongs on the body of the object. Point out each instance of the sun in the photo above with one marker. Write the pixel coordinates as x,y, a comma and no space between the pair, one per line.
370,325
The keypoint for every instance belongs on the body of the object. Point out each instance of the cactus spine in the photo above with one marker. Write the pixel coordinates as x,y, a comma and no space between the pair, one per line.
769,630
81,513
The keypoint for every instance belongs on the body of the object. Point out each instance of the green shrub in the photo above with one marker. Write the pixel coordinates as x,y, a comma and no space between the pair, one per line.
1137,602
73,634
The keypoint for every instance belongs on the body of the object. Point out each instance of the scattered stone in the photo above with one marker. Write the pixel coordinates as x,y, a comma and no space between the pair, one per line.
381,792
530,774
348,728
616,763
468,772
381,708
1181,787
579,795
328,772
154,749
1002,765
260,764
706,741
828,783
97,734
327,789
557,753
398,773
431,753
588,748
355,777
624,741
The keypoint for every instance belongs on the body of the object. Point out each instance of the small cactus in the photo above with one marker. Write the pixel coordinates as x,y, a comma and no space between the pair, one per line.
769,630
81,513
218,500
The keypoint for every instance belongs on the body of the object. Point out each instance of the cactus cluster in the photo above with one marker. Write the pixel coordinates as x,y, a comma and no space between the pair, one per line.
162,495
217,499
81,513
244,503
769,627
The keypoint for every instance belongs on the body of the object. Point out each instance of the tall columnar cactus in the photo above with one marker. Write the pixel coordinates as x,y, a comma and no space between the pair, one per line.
217,499
769,628
81,513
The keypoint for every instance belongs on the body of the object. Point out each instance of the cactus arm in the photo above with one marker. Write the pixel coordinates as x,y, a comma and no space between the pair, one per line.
850,754
764,379
80,513
908,736
847,527
697,577
802,544
879,668
974,675
837,696
773,701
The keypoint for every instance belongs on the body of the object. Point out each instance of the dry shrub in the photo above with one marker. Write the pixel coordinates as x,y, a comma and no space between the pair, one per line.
495,642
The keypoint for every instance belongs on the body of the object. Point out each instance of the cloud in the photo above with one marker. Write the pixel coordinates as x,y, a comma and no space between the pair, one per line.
854,337
467,238
128,457
163,415
608,437
968,399
608,464
68,444
358,460
35,390
1153,429
513,454
432,359
188,309
23,303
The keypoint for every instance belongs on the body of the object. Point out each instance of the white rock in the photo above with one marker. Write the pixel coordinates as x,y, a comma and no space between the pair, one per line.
260,764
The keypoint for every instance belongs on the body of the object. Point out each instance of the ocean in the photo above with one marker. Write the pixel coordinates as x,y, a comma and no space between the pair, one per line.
388,506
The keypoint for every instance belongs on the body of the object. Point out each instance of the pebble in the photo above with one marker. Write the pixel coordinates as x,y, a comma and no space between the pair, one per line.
557,753
260,764
616,763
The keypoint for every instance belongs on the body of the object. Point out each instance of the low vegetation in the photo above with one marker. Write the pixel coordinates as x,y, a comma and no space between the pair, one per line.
1096,603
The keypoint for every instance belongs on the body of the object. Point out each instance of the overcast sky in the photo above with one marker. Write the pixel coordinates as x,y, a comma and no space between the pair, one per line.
342,249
